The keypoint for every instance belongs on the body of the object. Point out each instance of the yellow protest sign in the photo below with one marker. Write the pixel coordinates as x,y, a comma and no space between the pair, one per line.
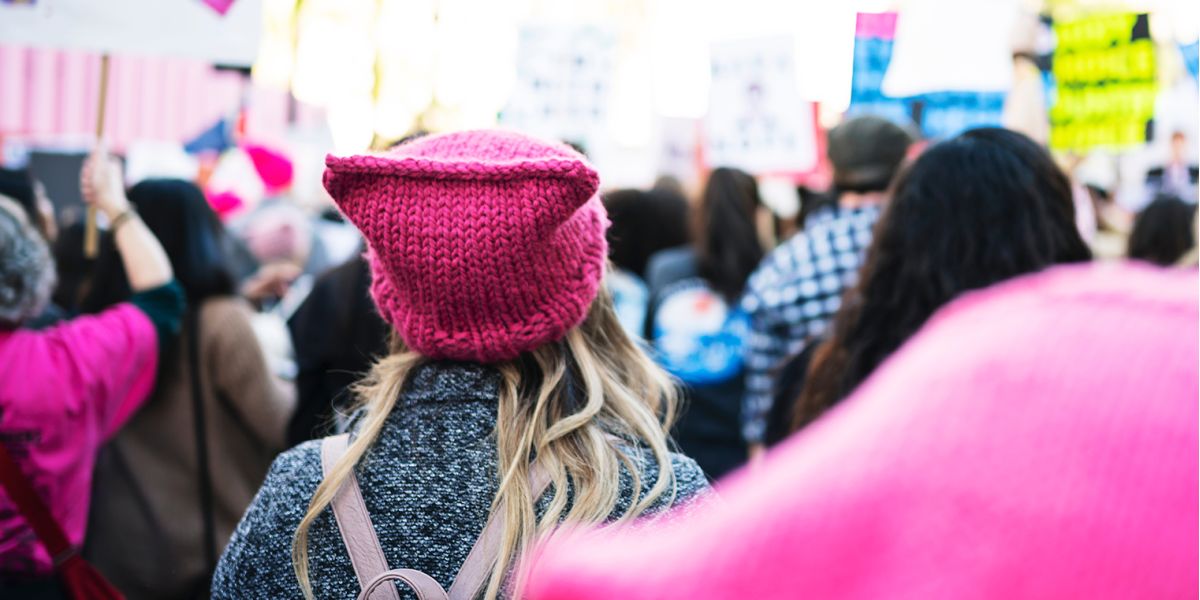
1105,73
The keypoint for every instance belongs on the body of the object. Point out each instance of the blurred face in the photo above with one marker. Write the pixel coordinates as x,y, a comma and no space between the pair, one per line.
1178,147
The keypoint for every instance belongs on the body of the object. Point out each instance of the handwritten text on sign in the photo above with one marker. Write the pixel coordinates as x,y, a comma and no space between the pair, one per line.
1105,71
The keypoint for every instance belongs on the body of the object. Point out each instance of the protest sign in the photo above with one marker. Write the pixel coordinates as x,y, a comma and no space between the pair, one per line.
564,81
757,120
939,114
185,28
952,45
191,29
945,114
873,41
678,142
1105,75
1191,58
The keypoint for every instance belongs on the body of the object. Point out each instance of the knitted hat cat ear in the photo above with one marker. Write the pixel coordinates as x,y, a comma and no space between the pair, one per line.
482,244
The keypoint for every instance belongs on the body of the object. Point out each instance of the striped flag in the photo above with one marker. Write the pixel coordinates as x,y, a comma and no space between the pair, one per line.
48,97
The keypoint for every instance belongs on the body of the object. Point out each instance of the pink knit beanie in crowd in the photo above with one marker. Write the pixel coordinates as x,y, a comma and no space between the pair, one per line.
1035,440
482,244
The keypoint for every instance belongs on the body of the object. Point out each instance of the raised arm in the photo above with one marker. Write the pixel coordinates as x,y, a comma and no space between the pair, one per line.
123,357
145,260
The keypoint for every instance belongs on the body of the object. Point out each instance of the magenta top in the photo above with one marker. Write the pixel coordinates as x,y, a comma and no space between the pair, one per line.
1034,440
63,392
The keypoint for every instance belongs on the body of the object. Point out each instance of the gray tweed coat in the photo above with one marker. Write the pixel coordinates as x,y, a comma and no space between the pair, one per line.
428,483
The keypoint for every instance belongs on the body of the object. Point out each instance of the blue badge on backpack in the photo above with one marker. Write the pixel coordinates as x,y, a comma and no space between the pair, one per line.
698,337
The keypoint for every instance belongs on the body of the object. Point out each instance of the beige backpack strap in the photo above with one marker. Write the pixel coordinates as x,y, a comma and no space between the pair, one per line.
478,564
354,523
426,587
366,553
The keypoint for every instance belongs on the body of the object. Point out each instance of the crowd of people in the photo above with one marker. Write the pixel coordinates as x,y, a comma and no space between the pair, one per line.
955,382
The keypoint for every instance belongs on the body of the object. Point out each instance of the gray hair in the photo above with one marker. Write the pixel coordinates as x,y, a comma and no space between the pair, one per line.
27,274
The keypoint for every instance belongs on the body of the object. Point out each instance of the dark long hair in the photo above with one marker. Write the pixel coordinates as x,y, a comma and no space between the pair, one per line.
980,208
1163,231
726,239
643,223
178,214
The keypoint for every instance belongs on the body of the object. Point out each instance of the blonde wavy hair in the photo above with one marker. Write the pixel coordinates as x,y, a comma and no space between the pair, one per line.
616,391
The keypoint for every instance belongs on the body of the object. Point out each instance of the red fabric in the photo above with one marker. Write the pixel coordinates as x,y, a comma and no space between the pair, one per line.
81,579
84,582
21,493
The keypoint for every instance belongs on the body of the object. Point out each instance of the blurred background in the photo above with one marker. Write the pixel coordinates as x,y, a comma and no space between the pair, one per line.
715,127
646,87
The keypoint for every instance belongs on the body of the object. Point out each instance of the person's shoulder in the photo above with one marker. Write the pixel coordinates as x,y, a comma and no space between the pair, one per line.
119,329
846,219
776,269
297,466
227,326
848,230
671,255
332,282
667,265
290,482
690,482
220,309
257,559
792,262
119,315
231,322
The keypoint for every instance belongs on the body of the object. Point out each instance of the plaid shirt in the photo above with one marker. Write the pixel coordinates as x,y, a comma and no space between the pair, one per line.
792,296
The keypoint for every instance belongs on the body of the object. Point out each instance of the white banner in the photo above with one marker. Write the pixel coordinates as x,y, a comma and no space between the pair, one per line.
678,142
757,120
952,46
186,28
564,81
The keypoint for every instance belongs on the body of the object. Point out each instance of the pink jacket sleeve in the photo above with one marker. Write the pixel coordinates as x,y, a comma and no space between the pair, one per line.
114,356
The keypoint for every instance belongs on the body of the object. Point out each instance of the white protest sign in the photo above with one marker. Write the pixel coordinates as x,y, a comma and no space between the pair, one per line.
186,28
952,45
678,140
564,81
757,120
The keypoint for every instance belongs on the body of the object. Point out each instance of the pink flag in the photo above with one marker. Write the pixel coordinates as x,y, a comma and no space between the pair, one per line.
221,6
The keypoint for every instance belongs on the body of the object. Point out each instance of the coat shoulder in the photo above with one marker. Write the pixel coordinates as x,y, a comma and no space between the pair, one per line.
258,559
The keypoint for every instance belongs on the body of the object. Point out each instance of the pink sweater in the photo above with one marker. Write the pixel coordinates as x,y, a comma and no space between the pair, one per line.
63,392
1037,439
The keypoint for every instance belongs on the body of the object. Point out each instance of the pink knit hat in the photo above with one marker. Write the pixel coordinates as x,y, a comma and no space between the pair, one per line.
1035,440
483,244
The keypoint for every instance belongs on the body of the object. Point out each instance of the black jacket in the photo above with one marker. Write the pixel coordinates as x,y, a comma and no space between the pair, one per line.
337,334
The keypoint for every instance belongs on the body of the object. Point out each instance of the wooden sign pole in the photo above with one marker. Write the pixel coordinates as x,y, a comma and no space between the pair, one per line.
91,236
